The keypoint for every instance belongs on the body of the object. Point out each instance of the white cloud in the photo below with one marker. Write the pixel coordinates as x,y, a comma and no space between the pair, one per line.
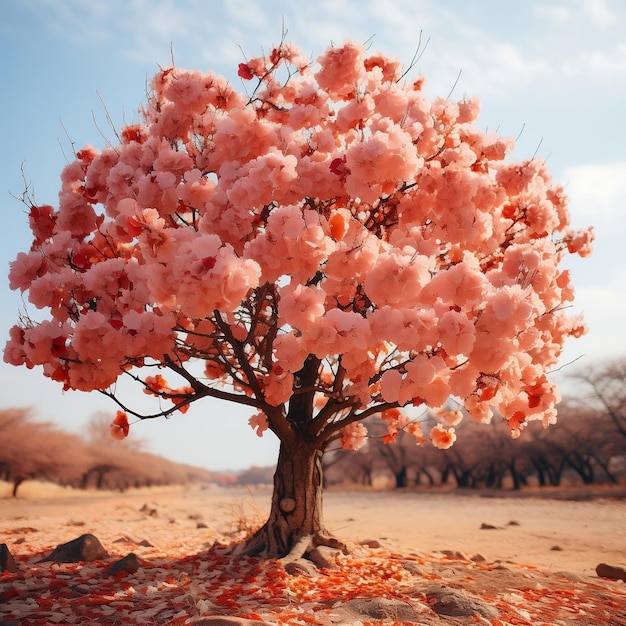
598,12
558,13
603,308
73,20
597,189
598,64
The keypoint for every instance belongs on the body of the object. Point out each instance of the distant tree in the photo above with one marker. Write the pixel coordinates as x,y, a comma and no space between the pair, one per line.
590,441
350,467
256,475
36,450
329,245
399,458
605,385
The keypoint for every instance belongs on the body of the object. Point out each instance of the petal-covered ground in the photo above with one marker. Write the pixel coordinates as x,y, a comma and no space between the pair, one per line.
186,572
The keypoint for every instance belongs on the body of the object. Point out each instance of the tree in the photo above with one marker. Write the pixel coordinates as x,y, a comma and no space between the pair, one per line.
36,450
606,390
325,247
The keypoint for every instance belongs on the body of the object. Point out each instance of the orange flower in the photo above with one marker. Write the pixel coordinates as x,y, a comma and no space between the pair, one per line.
120,426
338,226
442,438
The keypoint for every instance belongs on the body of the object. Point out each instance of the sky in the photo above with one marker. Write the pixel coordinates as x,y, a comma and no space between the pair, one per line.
552,74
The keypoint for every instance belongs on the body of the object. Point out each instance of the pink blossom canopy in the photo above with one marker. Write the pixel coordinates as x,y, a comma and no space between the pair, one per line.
330,214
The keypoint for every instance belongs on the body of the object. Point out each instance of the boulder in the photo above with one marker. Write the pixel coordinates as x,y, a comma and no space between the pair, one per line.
129,565
87,547
7,562
612,572
457,603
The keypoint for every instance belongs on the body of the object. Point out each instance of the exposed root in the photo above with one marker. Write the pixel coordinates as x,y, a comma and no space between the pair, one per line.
313,552
305,556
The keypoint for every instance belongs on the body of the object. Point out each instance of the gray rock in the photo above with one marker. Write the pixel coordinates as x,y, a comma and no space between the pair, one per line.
129,564
456,603
383,609
7,562
87,547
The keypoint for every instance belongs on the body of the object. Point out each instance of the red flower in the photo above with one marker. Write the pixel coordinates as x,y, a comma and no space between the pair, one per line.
120,426
339,168
133,227
245,72
208,262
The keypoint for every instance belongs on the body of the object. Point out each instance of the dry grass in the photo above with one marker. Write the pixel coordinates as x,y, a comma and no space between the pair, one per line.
243,515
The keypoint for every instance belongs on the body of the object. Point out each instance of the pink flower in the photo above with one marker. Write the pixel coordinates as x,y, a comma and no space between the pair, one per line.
341,69
259,422
390,382
300,305
42,220
457,333
278,386
353,436
25,269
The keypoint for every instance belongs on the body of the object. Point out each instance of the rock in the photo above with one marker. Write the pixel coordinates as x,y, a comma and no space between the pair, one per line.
478,558
144,542
383,609
484,526
201,525
556,549
413,567
323,557
573,576
7,562
300,568
128,564
612,572
454,554
87,547
457,603
148,510
370,543
513,523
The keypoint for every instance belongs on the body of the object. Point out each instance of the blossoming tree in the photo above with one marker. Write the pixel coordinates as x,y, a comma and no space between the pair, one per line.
327,245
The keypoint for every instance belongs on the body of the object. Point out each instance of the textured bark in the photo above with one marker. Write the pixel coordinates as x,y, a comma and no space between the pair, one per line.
295,526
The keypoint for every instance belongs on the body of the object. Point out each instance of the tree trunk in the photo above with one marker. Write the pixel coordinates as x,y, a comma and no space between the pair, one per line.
295,526
401,477
16,485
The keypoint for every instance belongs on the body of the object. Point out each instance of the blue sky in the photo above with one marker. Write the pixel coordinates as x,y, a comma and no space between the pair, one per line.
552,72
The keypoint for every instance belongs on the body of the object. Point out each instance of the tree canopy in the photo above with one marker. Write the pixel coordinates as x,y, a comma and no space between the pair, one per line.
326,244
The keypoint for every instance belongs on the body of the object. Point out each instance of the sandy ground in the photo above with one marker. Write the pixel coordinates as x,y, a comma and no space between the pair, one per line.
553,534
528,557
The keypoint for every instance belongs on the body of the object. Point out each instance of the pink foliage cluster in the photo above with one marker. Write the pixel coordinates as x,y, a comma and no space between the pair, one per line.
336,212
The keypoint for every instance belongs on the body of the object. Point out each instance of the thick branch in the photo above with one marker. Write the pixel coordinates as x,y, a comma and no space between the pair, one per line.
301,404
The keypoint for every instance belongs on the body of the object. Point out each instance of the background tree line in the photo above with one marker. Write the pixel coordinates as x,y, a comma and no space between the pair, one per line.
31,449
588,446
